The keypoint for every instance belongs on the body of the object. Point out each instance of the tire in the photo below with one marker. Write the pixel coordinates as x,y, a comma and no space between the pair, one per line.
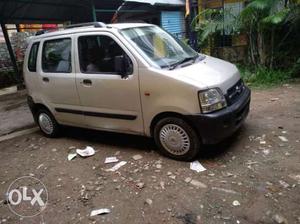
176,139
47,123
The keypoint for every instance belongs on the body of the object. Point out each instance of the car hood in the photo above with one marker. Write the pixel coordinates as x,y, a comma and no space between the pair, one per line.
208,73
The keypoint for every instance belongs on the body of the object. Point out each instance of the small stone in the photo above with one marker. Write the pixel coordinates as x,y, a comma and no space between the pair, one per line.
279,219
229,174
197,183
283,139
266,151
148,201
236,203
187,180
284,184
172,177
137,157
54,150
162,185
158,166
140,185
169,173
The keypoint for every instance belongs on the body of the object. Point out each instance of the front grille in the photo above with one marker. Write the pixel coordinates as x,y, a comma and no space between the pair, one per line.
234,92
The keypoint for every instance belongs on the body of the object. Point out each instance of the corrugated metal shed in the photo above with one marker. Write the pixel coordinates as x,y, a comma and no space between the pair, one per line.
173,22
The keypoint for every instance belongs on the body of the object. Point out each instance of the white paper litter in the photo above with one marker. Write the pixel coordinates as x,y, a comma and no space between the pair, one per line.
100,211
117,166
236,203
111,159
88,151
71,156
196,165
282,138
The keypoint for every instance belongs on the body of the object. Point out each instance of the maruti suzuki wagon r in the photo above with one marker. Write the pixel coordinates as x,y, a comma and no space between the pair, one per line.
133,78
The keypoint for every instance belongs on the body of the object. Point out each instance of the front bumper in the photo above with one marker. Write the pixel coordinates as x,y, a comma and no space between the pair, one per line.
217,126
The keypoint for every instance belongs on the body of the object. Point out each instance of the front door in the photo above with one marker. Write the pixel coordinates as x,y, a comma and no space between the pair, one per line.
109,101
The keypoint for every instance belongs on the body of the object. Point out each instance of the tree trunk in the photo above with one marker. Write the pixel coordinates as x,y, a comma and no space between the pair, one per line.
260,48
272,48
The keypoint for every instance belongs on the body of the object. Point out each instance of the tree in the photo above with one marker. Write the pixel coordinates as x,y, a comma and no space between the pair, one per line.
267,23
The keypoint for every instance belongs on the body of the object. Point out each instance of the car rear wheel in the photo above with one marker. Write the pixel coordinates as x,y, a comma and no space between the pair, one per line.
176,139
47,123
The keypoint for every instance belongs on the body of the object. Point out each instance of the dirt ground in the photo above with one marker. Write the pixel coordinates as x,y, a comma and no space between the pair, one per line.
253,177
14,113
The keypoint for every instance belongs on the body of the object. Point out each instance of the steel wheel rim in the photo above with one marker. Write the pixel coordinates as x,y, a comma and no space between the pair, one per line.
174,139
46,123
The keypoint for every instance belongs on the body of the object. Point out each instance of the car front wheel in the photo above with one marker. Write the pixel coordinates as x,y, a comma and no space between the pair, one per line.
176,139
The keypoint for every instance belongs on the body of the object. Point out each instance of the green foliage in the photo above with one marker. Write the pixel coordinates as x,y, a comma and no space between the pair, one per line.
7,78
264,77
210,22
277,18
272,28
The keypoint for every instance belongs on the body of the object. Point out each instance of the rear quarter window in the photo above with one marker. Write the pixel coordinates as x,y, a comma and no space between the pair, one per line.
56,57
33,57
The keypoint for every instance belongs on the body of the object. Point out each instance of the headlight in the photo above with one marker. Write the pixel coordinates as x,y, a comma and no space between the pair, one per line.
211,100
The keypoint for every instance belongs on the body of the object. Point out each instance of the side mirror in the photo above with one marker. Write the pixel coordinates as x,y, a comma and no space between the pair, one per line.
120,66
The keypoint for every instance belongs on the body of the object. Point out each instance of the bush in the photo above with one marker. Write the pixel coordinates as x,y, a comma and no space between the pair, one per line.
7,78
264,77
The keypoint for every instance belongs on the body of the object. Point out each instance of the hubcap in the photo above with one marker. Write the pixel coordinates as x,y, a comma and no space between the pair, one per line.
45,123
174,139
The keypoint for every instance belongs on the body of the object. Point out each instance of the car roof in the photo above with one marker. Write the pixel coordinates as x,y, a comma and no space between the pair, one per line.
89,28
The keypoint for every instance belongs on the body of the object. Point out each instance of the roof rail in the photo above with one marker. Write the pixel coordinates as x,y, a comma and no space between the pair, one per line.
95,24
40,32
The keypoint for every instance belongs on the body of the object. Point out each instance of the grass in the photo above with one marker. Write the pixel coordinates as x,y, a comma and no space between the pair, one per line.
263,77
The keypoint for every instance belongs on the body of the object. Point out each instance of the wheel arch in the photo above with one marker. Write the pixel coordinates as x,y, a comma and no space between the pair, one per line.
162,115
34,107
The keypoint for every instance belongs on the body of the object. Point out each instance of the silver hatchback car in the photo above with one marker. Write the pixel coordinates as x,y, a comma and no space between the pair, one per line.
133,78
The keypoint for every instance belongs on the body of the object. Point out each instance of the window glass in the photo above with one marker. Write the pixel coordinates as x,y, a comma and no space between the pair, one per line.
32,57
57,56
159,46
97,55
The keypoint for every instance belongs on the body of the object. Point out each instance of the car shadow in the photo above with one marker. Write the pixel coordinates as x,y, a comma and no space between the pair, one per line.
110,138
220,149
147,144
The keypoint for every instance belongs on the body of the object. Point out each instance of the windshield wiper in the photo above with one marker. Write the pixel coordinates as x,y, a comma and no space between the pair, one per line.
176,64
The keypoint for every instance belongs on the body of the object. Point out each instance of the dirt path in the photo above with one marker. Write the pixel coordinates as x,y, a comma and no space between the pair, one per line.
252,178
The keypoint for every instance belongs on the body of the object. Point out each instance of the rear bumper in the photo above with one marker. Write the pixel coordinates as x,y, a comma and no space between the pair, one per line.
217,126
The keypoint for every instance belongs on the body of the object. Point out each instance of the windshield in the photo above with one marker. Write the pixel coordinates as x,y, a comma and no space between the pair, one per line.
159,47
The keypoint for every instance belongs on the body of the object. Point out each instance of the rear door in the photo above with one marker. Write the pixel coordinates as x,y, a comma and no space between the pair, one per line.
109,101
57,79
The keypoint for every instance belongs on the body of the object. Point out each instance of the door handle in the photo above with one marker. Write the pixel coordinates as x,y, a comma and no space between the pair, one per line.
87,82
46,79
